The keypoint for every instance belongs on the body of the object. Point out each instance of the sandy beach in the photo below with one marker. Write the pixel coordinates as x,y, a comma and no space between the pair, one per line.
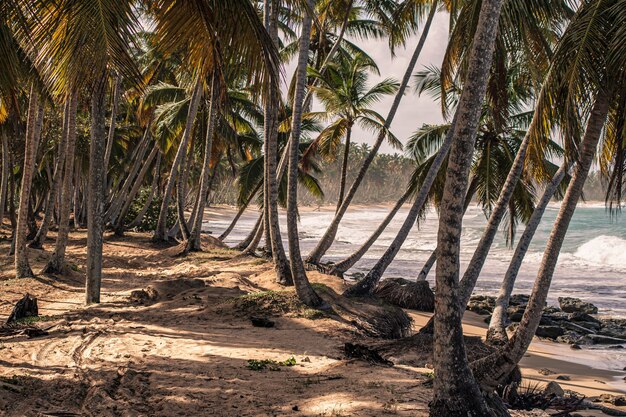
187,352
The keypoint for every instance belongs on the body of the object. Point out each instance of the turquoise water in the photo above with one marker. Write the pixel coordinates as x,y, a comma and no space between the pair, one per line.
592,264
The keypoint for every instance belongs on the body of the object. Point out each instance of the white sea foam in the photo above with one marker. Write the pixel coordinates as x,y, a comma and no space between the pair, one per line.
604,250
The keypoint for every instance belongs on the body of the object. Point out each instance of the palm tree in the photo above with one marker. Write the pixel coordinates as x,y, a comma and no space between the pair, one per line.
347,100
56,263
497,326
586,78
33,131
456,392
327,240
303,287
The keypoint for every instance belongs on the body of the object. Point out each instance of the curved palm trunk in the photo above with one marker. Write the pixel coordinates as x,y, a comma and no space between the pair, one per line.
160,234
193,242
433,256
119,198
344,168
456,392
340,267
281,264
128,198
22,267
40,237
497,326
303,287
95,194
181,193
493,369
56,262
242,209
111,136
154,189
256,235
368,284
5,176
329,236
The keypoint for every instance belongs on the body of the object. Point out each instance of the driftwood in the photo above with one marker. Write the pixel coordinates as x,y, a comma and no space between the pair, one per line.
26,307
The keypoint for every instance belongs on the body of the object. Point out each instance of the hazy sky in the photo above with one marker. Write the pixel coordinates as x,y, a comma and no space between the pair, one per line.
413,110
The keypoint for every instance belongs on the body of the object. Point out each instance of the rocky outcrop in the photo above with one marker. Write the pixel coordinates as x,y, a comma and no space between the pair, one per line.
572,323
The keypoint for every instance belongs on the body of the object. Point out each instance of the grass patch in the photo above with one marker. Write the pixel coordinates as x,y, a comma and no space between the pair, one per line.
274,303
34,319
269,364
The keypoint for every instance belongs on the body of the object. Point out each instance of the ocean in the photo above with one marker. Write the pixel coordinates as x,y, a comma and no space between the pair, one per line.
591,266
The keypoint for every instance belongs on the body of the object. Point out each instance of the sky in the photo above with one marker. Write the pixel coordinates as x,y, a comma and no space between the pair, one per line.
413,111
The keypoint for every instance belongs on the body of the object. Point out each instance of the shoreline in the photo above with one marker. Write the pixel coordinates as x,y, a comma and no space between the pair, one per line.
181,353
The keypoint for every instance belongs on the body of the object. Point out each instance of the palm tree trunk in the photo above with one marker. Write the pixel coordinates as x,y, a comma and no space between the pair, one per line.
243,245
154,188
5,175
130,197
329,236
493,369
240,212
193,242
456,392
344,168
497,326
368,284
181,191
22,267
305,292
433,256
56,262
119,198
256,237
95,194
281,264
160,234
40,237
117,83
340,267
76,210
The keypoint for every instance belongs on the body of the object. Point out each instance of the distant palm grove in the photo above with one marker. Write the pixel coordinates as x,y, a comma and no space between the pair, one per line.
120,115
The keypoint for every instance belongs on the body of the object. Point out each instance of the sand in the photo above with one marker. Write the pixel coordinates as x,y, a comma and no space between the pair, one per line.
186,354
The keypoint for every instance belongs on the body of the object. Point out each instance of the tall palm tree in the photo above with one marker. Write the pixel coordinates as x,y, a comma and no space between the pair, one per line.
456,392
347,100
586,78
303,287
327,239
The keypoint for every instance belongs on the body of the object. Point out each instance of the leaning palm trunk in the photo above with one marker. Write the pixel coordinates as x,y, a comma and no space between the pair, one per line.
492,370
22,267
5,176
344,168
368,284
497,326
303,287
181,194
117,83
160,234
329,236
281,263
456,392
128,200
340,267
153,191
240,212
37,242
56,262
95,194
433,256
118,199
256,235
193,241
